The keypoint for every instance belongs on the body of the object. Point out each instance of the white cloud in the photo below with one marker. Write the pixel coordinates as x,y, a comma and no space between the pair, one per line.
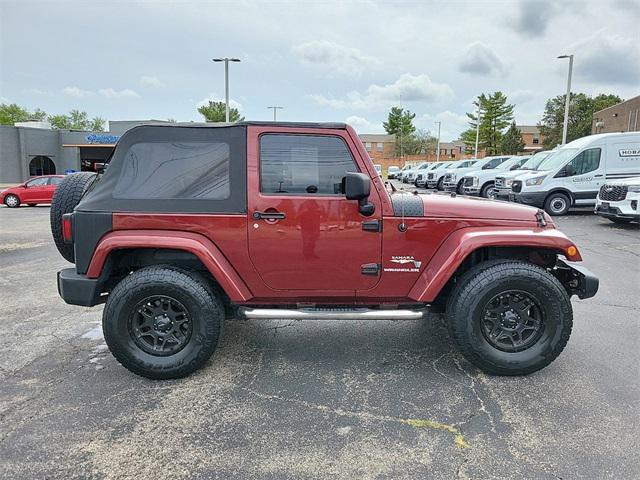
362,125
147,81
408,88
479,59
111,93
607,59
333,57
521,96
35,91
215,98
77,92
451,126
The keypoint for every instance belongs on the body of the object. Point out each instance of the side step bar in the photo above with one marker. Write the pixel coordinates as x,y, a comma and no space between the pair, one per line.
328,314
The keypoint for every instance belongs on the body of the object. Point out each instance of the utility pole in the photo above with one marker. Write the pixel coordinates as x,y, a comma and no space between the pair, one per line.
226,61
567,99
475,154
275,108
438,148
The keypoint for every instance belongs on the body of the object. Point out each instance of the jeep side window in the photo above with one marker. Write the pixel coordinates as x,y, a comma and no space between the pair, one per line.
587,161
303,164
175,170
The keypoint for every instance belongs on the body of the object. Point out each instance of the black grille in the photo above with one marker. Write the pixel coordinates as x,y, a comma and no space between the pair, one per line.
499,182
468,182
516,186
611,193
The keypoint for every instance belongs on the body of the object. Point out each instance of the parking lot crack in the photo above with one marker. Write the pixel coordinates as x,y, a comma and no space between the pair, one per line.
472,387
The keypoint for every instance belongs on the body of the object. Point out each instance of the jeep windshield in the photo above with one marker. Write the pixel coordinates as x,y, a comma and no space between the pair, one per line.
557,159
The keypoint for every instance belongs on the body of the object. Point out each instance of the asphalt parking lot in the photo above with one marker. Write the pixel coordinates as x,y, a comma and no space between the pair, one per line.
315,399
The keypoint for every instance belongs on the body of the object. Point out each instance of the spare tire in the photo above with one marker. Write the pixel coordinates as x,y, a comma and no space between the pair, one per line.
65,198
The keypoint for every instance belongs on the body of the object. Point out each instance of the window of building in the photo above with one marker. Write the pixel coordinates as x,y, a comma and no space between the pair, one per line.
536,140
379,146
303,164
168,170
587,161
368,146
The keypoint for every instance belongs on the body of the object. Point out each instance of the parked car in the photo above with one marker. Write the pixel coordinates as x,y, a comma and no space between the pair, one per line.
393,171
618,200
410,175
482,182
378,168
574,174
504,179
401,176
452,179
436,175
421,176
189,222
32,192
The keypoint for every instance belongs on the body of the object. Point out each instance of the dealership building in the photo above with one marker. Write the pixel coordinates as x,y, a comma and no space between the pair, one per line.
34,148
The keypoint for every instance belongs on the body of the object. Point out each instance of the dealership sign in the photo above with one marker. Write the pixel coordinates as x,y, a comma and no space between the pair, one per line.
99,138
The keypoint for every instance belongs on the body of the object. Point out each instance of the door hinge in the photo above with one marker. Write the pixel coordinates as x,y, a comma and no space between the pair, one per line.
372,226
370,269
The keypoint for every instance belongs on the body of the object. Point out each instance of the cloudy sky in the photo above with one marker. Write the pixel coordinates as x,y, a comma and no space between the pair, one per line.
322,61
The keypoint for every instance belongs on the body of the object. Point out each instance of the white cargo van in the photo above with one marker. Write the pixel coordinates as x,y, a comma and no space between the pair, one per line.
573,174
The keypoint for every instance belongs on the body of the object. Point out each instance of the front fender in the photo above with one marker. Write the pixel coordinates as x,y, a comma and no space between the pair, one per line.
199,245
461,243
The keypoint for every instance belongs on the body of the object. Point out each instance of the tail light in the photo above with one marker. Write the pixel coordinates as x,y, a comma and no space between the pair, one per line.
67,227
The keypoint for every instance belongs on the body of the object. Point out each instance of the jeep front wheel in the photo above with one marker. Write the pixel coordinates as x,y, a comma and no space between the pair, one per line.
509,317
162,323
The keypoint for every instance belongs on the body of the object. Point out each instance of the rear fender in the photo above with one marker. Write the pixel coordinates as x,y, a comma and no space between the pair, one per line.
462,243
197,244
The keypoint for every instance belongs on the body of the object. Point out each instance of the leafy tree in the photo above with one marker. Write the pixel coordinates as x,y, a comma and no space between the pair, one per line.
77,120
581,110
97,124
61,122
216,112
400,123
496,115
38,115
12,113
512,142
418,142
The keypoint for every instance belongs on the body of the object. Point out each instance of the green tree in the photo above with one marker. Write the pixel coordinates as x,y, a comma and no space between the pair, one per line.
496,115
216,112
77,120
581,110
400,123
61,122
419,142
97,124
512,142
12,113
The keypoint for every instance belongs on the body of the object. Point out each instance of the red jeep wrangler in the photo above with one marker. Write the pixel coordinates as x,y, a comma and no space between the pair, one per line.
290,220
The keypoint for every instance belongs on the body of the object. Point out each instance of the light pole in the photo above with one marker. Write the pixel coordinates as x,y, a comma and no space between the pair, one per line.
438,148
475,154
226,61
275,108
565,125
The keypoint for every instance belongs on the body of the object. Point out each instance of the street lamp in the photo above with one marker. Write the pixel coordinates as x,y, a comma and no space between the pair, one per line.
566,101
275,108
438,149
226,61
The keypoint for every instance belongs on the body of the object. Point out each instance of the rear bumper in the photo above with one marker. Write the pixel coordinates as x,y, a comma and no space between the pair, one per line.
77,289
577,279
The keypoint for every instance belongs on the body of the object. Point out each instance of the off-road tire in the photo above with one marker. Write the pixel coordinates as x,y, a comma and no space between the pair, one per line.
485,190
557,204
65,198
476,287
12,204
205,310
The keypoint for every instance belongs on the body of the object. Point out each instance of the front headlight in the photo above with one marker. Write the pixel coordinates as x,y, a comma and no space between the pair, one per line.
508,182
475,181
452,176
534,181
634,188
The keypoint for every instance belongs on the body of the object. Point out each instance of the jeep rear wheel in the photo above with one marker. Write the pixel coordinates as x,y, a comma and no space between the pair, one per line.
161,323
509,317
67,195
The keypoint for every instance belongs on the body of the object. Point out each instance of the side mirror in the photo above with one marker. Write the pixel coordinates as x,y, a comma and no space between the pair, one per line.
357,186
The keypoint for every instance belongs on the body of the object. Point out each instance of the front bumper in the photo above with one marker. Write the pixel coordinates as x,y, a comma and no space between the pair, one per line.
471,191
432,183
449,187
624,209
528,198
77,289
502,193
577,279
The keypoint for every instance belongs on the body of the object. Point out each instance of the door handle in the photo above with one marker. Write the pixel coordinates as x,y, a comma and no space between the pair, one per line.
268,215
597,176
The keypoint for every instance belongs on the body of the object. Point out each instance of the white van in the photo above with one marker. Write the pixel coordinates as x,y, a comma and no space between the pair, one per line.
573,174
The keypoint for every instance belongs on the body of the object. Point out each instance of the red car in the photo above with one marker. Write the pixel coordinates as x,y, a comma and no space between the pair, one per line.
33,191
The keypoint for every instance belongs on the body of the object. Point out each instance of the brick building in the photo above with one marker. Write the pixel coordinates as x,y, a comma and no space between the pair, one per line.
623,117
532,138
